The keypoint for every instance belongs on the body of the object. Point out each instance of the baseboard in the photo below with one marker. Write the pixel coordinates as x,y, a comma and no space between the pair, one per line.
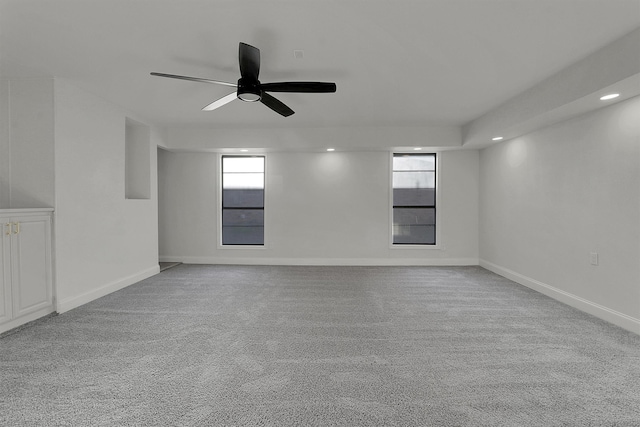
324,261
619,319
76,301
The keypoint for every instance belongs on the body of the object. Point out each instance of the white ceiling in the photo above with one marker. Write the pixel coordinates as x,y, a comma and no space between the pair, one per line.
396,63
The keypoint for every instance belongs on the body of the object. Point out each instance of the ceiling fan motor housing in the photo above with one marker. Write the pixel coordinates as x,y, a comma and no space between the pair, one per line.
249,91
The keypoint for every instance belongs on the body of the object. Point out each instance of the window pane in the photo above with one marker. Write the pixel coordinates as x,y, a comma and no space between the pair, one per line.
243,198
243,235
414,216
242,180
242,217
414,235
414,179
242,164
404,162
242,227
414,226
414,196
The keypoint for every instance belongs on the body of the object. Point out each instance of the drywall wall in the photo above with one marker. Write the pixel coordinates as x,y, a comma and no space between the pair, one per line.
368,138
5,149
26,143
321,208
103,241
550,198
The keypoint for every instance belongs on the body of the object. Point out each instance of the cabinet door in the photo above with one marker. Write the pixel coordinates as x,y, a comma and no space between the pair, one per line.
30,265
5,271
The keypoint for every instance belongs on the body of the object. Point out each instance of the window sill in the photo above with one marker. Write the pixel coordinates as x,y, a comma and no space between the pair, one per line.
414,247
241,247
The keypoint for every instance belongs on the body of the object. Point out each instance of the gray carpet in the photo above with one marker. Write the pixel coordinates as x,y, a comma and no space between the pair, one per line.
167,265
321,346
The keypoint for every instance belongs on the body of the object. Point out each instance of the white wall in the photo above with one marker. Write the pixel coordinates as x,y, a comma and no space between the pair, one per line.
550,198
103,242
321,208
186,202
5,153
26,143
369,138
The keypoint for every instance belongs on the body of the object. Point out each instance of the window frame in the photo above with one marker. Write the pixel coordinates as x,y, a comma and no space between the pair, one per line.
438,204
220,206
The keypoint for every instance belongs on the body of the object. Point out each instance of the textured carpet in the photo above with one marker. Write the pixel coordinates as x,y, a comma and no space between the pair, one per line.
167,265
321,346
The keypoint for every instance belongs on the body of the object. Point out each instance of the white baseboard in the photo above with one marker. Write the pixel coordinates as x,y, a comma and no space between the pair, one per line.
324,261
76,301
619,319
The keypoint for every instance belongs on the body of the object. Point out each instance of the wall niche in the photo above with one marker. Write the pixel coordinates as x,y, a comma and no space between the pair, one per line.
137,160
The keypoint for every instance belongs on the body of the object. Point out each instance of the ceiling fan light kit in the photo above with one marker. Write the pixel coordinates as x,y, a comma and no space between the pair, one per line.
249,92
249,88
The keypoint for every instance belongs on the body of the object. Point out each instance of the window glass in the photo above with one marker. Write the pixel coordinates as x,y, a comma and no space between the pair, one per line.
408,162
243,200
414,199
242,180
412,179
243,164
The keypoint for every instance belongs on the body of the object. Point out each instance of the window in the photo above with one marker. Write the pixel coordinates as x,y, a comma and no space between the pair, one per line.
243,200
414,199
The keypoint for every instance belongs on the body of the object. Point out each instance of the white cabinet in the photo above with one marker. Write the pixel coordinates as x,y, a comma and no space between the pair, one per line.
26,285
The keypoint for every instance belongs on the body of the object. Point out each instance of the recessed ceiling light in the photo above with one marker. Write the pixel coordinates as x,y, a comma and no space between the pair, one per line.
610,96
244,150
331,149
417,148
497,138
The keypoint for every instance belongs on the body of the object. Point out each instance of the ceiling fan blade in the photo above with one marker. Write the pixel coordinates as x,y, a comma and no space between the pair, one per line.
303,87
194,79
220,102
276,105
249,62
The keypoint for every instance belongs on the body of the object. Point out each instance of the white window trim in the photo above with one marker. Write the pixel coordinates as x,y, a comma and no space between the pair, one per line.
438,245
218,186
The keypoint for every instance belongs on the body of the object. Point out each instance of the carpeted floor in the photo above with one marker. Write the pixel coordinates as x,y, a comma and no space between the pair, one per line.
321,346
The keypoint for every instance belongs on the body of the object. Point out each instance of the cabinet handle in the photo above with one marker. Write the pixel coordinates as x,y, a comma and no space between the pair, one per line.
17,229
8,233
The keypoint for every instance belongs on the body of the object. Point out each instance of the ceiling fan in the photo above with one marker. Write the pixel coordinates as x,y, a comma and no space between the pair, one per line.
250,89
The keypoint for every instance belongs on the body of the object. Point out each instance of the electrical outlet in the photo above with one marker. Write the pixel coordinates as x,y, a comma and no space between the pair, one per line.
593,256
